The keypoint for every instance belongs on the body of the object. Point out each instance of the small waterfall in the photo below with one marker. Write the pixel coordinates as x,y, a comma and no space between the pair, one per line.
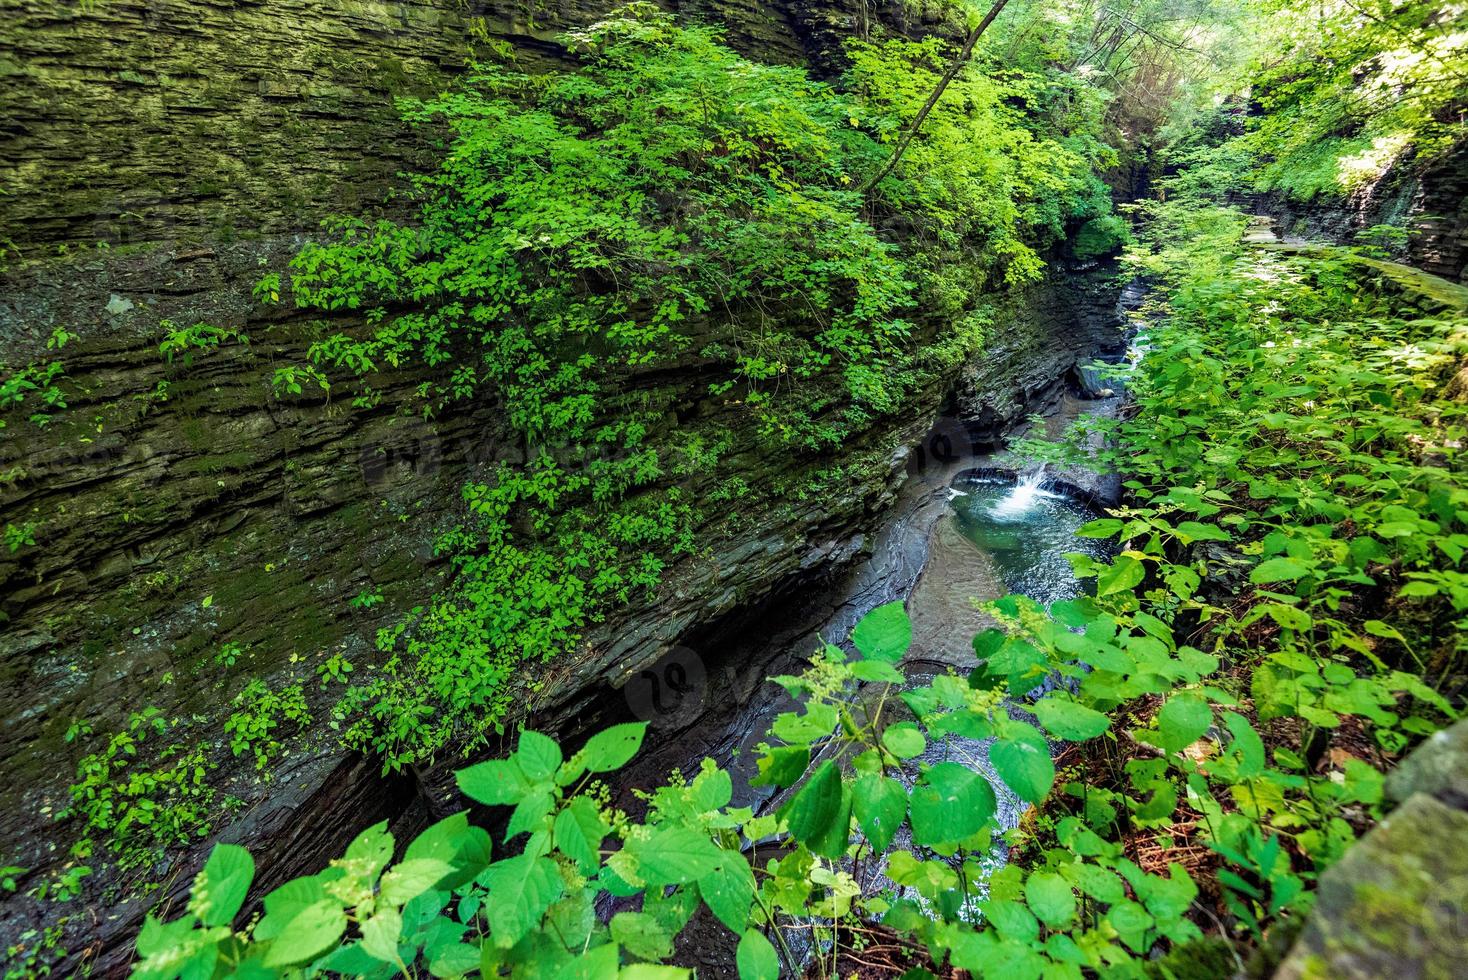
1027,491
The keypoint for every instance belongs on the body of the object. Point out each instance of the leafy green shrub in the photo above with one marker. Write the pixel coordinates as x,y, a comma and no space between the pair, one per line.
141,808
259,715
1106,235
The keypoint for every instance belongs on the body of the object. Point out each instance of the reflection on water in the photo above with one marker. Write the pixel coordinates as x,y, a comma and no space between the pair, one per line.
1026,531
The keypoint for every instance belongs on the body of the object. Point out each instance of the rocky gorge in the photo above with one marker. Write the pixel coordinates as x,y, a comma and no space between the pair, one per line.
205,547
181,511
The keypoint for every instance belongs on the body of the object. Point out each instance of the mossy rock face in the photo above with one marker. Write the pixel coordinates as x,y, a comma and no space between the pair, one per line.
1438,767
191,123
1396,905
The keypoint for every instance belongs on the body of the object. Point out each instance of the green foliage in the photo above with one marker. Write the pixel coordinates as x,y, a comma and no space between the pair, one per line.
199,337
38,380
259,717
668,199
141,806
1348,89
19,536
1106,235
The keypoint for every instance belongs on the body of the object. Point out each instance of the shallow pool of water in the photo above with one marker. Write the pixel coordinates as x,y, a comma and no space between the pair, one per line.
1026,530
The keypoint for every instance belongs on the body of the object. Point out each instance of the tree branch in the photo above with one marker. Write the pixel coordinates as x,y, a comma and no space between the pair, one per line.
959,61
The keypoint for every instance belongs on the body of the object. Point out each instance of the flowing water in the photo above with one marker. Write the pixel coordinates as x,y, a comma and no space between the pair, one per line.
1026,531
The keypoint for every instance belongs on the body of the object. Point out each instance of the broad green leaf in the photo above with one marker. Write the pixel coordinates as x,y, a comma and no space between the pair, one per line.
1025,766
876,671
538,756
1247,747
1099,883
904,740
756,958
675,856
1288,616
407,880
532,814
1190,531
1131,922
579,830
651,971
371,851
498,782
819,814
641,935
597,963
1012,920
1122,574
572,920
612,749
520,891
1069,720
1104,527
452,959
884,633
880,805
728,890
950,804
1278,570
782,766
220,888
803,727
1183,720
306,933
457,843
380,934
1050,898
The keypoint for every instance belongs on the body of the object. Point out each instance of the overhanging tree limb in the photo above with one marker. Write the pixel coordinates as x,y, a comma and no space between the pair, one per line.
962,58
